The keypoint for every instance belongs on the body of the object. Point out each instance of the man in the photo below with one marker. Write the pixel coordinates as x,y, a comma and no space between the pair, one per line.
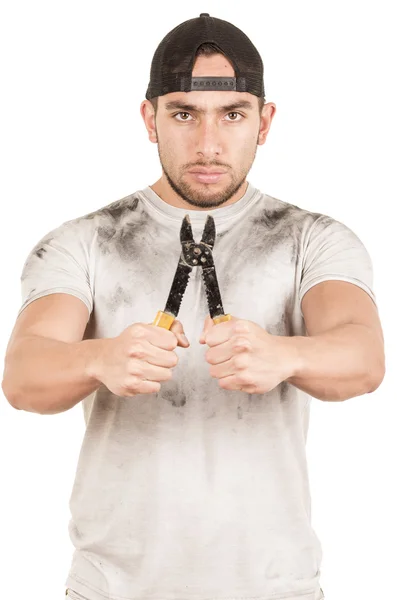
192,478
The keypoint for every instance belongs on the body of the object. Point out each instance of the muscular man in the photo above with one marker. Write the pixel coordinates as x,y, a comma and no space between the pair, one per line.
192,479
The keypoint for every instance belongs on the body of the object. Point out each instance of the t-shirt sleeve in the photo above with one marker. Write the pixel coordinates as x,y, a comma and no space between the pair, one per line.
334,251
59,262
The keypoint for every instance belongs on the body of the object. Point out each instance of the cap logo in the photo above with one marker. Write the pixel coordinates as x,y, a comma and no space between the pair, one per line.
214,83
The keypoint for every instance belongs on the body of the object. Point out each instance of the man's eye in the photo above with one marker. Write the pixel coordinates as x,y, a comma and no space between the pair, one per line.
236,114
182,113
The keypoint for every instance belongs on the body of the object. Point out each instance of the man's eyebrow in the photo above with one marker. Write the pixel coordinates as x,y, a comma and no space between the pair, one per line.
180,105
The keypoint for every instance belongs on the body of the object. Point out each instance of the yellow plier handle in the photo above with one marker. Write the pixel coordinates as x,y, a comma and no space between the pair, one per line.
163,320
166,320
221,319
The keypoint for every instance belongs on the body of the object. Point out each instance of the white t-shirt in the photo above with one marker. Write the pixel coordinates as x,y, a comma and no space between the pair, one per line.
194,493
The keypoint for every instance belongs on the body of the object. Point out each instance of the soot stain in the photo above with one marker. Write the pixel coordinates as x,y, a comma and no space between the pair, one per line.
31,292
283,327
115,210
39,250
265,232
118,225
122,231
174,397
271,218
260,235
272,228
120,296
284,391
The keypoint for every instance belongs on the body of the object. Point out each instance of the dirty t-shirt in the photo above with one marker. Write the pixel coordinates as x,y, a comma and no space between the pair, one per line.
195,492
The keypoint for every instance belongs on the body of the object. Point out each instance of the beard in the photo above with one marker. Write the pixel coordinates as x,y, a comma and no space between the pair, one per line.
202,197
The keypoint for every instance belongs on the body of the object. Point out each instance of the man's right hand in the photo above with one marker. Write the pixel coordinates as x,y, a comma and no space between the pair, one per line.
139,359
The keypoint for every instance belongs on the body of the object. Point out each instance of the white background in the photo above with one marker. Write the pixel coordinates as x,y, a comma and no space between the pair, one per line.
73,75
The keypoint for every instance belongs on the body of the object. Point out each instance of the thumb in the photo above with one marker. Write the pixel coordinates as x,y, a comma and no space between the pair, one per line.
178,331
208,324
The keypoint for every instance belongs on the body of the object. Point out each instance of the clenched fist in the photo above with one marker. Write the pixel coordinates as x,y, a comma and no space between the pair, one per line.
139,359
244,356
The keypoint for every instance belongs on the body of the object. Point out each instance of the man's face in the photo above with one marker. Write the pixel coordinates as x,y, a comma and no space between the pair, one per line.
215,132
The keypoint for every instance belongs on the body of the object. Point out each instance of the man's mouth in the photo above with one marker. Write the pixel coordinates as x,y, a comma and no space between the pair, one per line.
206,175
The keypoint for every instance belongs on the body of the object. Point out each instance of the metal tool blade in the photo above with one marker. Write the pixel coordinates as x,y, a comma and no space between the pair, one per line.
178,288
212,291
186,233
209,232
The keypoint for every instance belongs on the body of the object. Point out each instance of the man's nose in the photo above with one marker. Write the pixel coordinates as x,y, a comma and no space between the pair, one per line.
208,141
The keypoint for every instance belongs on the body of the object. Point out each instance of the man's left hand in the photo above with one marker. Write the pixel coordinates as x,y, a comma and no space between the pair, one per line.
244,356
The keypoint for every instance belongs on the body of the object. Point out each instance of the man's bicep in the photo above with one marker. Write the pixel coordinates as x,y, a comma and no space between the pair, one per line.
332,303
57,316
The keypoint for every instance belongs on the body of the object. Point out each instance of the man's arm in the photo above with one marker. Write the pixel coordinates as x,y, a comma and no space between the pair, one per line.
47,366
343,355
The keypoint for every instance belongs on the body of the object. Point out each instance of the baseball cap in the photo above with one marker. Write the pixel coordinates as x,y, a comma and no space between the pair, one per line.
173,60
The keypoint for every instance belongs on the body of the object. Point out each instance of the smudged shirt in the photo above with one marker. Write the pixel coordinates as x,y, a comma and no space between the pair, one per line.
194,493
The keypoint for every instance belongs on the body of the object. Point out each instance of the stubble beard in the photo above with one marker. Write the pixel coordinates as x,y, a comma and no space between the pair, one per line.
203,198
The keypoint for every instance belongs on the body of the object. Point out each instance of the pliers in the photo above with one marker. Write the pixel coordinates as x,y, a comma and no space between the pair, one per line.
194,255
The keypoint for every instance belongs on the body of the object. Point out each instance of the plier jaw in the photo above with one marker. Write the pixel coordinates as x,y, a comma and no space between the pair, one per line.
194,255
198,255
208,235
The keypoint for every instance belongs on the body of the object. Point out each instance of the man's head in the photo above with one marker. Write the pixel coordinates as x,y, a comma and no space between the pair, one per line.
206,116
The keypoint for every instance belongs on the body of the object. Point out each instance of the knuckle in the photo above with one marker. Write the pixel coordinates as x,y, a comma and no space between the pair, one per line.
244,378
137,350
240,343
252,389
173,343
139,330
168,375
135,369
241,325
131,383
224,384
174,359
209,356
240,362
212,371
168,338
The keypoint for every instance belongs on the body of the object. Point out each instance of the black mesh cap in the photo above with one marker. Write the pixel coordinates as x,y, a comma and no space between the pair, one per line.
172,64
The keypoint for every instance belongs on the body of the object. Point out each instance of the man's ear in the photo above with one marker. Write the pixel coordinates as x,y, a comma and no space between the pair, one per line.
149,118
268,112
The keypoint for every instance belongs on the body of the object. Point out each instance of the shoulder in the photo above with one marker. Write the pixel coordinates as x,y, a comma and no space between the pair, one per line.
116,211
82,230
273,212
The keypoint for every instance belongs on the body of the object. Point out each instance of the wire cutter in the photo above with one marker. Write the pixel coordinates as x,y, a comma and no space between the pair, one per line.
194,255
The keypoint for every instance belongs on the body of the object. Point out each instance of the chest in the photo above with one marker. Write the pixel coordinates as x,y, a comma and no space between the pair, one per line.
258,278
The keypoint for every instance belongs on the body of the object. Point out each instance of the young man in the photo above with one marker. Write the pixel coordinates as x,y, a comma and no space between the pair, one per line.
192,479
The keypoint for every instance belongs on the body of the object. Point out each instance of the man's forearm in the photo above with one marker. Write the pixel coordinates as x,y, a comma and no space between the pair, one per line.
338,364
47,376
